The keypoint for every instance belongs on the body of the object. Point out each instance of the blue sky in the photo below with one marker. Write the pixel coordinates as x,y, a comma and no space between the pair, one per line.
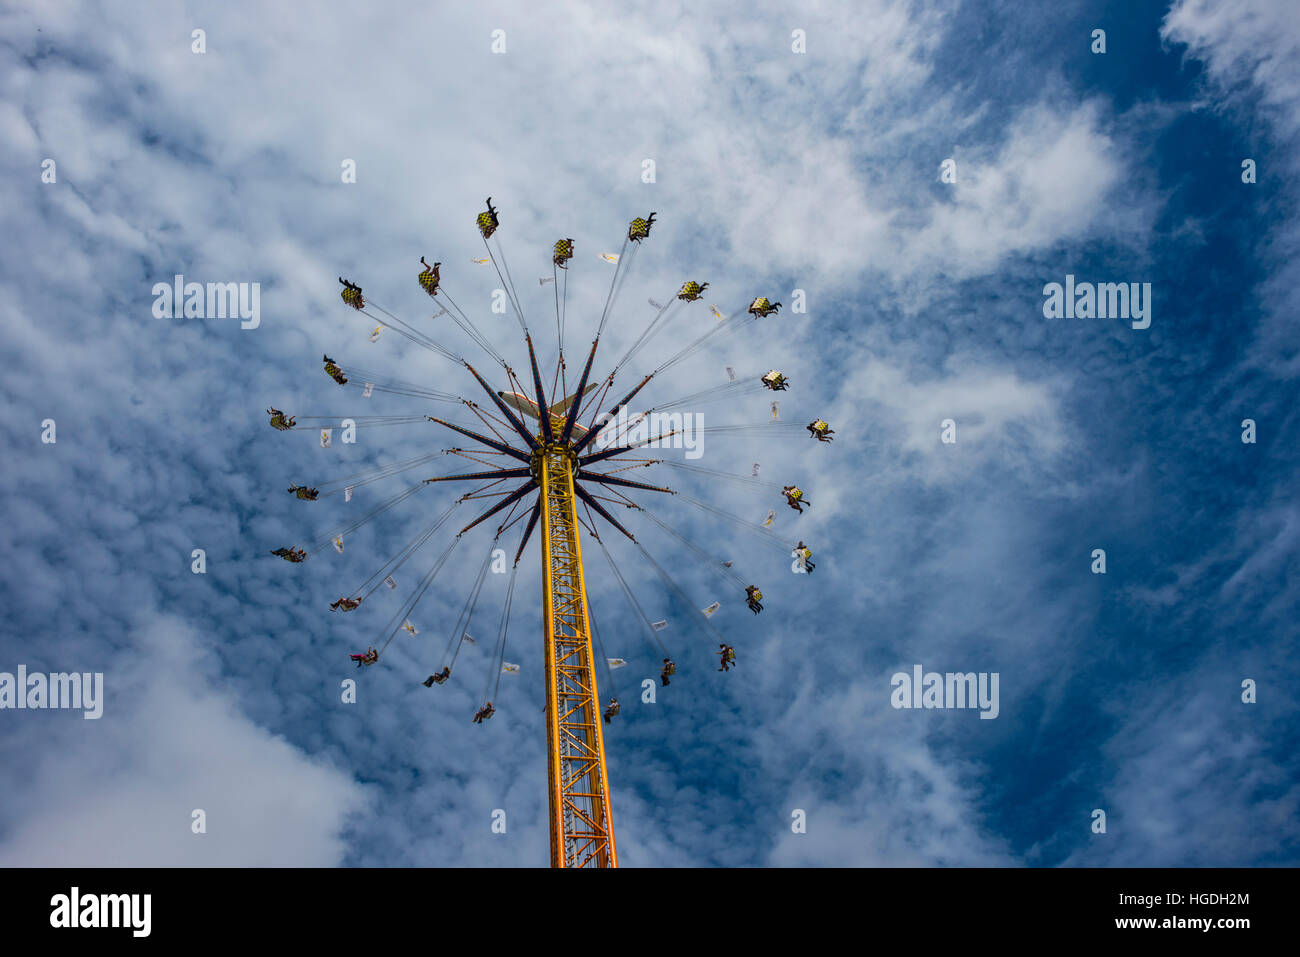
775,171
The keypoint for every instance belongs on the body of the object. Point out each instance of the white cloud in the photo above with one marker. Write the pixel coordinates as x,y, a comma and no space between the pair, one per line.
1048,182
999,415
119,791
908,805
1196,782
1253,40
1251,48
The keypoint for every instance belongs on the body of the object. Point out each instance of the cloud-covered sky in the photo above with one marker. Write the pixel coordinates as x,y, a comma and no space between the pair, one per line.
775,171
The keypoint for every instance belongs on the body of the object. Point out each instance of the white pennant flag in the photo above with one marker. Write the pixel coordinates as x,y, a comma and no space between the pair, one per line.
374,336
776,411
347,494
390,583
771,514
508,669
659,625
410,627
543,280
708,612
466,637
365,393
609,257
441,312
325,436
338,545
481,262
616,663
655,304
731,374
714,309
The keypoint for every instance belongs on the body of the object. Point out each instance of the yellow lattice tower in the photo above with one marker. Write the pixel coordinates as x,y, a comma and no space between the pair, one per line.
582,832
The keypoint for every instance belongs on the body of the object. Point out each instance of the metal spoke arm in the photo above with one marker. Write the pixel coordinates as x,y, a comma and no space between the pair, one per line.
572,417
479,437
625,483
600,509
475,476
514,496
613,411
543,407
513,419
586,460
528,531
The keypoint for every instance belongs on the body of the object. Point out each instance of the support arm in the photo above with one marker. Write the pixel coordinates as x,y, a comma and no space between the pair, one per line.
528,531
505,409
542,405
476,476
626,483
619,449
510,499
583,494
591,434
490,443
577,397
